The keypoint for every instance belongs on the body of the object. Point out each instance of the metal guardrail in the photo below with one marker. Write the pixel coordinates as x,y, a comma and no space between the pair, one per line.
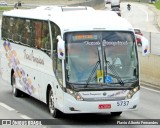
154,41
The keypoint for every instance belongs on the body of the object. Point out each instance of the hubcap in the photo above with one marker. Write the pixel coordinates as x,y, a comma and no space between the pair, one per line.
14,89
51,102
14,85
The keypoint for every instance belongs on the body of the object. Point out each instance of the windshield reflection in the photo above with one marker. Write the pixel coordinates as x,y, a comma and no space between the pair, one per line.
100,57
81,61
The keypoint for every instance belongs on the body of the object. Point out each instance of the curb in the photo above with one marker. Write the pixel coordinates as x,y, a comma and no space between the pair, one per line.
150,85
157,14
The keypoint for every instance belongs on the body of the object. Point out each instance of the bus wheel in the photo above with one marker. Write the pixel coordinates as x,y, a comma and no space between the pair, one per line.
116,113
53,111
15,91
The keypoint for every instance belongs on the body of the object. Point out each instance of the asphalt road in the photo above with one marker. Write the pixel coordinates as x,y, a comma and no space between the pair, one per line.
30,108
142,17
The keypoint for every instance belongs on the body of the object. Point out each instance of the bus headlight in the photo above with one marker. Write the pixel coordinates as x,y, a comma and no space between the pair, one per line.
132,92
75,94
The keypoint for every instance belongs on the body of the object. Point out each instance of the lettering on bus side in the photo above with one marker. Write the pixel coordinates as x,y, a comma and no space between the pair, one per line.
32,58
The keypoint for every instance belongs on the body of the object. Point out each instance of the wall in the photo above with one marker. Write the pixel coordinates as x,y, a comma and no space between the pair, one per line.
97,4
42,1
150,69
145,1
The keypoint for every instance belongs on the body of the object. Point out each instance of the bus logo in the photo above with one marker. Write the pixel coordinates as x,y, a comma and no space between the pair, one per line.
104,93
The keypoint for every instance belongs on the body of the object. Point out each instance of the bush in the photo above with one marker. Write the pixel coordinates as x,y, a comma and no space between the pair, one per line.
5,8
157,4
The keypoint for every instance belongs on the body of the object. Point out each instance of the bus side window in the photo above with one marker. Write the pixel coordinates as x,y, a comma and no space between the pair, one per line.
15,31
5,24
57,63
32,34
46,38
38,33
27,32
22,31
41,37
10,29
55,33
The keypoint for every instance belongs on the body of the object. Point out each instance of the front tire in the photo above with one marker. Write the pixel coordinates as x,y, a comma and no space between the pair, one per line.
53,111
16,92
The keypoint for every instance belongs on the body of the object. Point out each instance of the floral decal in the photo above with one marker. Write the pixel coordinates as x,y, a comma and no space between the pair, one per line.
13,62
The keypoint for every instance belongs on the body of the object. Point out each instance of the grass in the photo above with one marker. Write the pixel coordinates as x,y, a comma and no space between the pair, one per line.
157,4
4,8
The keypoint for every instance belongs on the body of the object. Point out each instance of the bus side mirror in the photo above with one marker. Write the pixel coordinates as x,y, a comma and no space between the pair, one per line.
61,48
145,46
144,42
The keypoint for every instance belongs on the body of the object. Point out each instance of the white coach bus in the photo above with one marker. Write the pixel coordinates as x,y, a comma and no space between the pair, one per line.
82,61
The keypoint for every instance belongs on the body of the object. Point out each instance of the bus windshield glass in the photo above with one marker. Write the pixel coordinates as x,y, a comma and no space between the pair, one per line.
106,58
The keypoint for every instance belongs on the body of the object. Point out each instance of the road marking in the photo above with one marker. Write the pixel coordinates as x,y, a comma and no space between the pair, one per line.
7,107
150,89
25,117
146,12
11,109
146,15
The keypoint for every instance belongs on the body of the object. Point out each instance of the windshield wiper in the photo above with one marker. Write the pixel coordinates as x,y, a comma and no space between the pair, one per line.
90,76
94,69
115,74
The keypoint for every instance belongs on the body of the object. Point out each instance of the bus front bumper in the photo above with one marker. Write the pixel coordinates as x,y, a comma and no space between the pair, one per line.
71,105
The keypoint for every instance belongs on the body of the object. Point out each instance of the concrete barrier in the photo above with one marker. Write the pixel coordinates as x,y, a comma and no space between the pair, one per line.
97,4
150,70
61,2
144,1
44,1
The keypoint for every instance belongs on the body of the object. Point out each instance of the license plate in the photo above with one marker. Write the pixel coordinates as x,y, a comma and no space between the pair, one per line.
104,106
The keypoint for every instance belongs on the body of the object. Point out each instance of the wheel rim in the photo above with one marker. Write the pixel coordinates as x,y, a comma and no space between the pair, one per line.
14,89
51,102
14,85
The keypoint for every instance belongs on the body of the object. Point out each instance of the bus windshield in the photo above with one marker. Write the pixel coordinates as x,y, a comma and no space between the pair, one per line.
106,58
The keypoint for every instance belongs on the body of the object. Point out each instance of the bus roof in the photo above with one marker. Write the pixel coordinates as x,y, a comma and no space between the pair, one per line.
79,20
64,8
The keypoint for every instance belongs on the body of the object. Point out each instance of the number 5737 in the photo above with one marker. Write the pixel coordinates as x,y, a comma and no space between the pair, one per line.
122,103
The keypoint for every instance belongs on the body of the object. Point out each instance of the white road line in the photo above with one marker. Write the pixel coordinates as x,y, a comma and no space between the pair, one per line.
11,109
146,12
6,106
25,117
150,89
